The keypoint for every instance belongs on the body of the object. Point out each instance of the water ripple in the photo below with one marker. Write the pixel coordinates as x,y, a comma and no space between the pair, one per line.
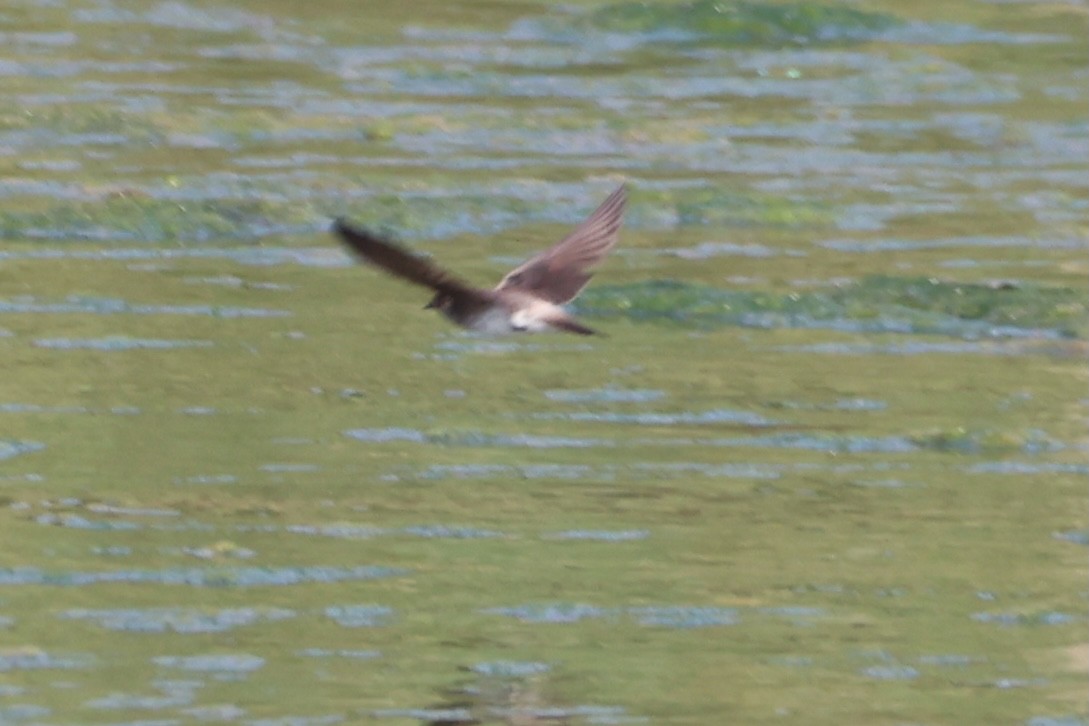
32,659
11,449
359,616
113,306
717,416
177,620
219,663
194,577
115,343
599,535
605,395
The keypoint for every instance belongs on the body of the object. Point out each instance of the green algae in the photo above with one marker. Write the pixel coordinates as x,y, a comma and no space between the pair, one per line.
1025,306
89,119
730,22
127,217
877,303
249,209
985,441
718,207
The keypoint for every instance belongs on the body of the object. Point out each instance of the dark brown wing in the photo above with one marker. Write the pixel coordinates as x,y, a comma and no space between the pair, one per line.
395,260
559,273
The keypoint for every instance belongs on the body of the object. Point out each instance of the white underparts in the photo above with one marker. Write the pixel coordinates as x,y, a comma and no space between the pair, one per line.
523,320
535,318
531,319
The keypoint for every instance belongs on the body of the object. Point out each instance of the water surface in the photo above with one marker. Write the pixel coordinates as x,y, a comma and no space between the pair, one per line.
828,467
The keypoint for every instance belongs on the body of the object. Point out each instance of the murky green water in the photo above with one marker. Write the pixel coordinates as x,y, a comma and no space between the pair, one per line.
829,467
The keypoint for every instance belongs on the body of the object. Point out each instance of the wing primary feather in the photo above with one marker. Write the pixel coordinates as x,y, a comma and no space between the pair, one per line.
395,260
559,273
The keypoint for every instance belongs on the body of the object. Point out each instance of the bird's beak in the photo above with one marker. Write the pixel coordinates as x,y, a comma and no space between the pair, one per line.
430,306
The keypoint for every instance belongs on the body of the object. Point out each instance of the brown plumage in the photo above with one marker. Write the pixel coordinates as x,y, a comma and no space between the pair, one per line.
528,298
559,273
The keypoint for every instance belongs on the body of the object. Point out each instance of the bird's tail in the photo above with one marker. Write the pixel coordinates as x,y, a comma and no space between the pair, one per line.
570,325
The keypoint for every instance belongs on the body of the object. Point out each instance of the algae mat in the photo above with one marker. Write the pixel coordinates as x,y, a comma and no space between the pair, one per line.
828,467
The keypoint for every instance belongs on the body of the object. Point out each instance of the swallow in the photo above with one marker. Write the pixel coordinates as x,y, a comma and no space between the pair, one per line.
529,298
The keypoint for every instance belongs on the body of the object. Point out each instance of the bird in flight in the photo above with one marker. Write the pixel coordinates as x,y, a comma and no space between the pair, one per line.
529,298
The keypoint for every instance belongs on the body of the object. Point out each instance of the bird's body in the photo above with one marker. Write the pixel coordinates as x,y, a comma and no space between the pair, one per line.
530,297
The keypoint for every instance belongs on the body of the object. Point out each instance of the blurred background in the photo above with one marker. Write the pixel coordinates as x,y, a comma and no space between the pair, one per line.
828,467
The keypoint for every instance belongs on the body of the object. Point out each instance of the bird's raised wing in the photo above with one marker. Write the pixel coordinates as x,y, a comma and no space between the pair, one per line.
391,258
559,273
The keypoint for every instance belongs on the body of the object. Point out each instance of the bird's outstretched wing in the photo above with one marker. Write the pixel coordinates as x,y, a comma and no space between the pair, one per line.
559,273
391,258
